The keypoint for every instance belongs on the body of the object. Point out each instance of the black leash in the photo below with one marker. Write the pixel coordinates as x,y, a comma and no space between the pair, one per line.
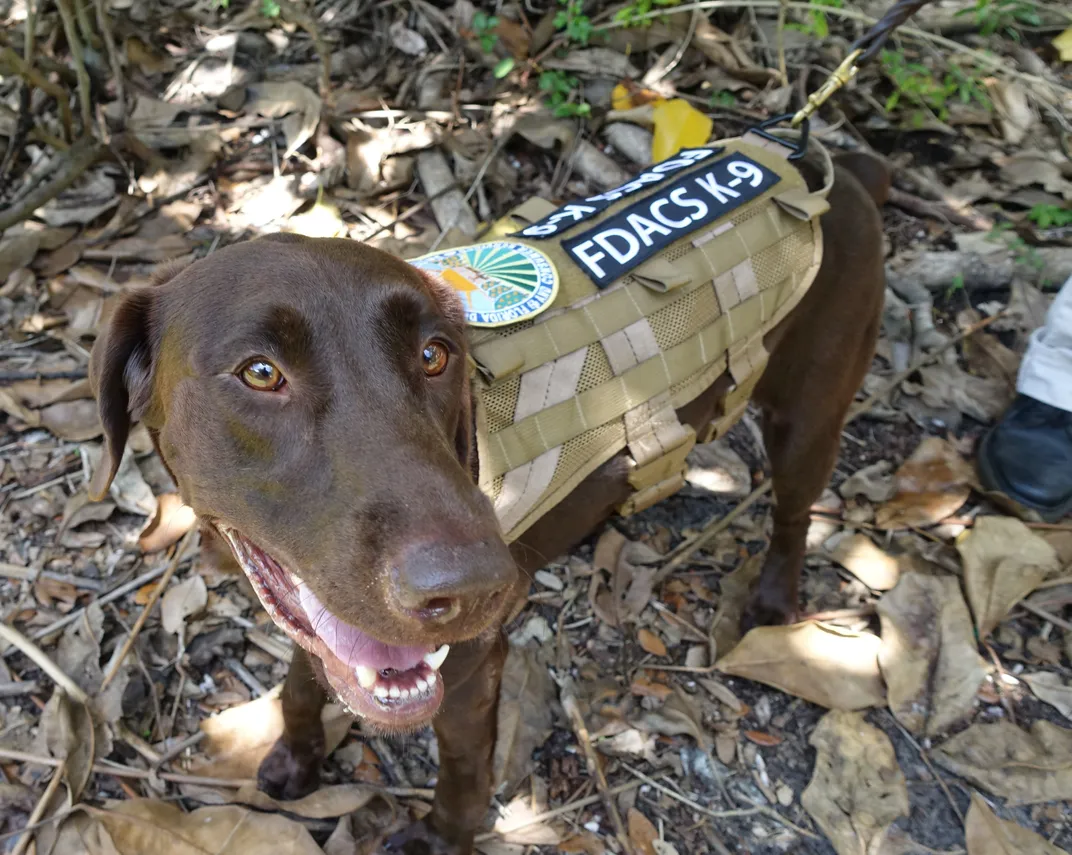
863,50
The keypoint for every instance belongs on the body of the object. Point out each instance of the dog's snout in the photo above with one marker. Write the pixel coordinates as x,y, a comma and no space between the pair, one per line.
439,584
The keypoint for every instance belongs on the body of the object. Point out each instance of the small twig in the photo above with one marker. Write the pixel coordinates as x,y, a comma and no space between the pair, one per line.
70,30
14,689
940,211
246,676
173,565
780,41
18,376
388,759
9,59
178,748
595,767
679,556
105,26
41,807
36,655
927,761
556,812
1045,615
296,15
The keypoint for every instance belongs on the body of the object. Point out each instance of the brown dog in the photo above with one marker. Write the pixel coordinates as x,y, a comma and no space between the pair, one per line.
310,398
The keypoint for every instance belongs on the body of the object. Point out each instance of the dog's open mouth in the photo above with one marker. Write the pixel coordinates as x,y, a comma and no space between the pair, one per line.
394,687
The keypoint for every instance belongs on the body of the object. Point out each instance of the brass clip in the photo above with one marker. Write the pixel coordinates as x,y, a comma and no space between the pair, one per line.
841,75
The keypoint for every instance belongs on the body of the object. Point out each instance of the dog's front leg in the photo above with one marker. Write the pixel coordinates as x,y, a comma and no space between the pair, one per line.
465,730
292,768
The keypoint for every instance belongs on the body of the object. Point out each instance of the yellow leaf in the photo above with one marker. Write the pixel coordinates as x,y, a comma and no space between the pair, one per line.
678,125
1063,43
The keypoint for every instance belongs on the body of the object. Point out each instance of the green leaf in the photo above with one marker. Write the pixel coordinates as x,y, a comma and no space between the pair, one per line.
503,67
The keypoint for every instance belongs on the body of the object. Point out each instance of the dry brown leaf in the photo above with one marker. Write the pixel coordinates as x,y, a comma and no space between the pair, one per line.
830,667
325,803
716,467
982,398
631,584
931,484
68,733
128,490
298,103
524,717
1049,688
857,790
641,832
1004,561
986,834
928,653
79,509
172,520
239,738
651,642
146,825
644,687
733,596
180,601
766,740
859,555
680,715
872,482
1023,767
608,548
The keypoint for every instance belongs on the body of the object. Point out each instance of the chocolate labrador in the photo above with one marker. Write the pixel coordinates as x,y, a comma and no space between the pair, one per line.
311,399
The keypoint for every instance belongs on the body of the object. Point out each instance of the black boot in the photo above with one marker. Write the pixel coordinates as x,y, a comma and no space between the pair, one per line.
1028,457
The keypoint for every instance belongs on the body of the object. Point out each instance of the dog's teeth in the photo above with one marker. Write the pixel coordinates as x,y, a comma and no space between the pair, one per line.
396,692
422,685
432,679
435,660
365,676
381,692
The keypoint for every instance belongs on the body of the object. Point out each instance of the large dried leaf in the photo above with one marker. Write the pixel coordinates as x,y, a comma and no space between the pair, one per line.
524,716
827,666
144,826
931,484
859,555
642,832
872,482
1004,561
928,654
981,398
239,738
1051,689
857,790
986,834
187,598
1023,767
631,584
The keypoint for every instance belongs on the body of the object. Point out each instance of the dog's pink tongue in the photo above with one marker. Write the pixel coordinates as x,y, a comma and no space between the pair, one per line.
351,645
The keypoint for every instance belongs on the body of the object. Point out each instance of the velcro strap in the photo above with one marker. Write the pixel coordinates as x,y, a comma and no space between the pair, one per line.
657,442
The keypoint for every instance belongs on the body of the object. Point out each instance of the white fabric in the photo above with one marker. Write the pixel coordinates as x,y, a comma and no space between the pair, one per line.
1046,372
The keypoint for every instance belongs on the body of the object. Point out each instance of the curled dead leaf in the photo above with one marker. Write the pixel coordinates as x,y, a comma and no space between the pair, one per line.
1004,561
859,555
827,666
766,740
930,485
1049,688
1024,767
651,642
857,789
173,518
180,601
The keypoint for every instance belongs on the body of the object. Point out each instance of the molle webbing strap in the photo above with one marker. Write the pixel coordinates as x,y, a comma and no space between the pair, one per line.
605,368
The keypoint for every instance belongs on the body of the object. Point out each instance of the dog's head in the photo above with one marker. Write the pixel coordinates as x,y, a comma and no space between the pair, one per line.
311,399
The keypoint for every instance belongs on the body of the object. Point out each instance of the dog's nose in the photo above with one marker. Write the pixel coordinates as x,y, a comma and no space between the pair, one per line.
438,583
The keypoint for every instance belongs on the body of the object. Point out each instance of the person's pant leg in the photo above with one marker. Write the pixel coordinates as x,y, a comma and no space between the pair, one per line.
1046,371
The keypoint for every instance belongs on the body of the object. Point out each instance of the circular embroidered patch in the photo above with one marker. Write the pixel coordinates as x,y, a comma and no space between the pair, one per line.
500,282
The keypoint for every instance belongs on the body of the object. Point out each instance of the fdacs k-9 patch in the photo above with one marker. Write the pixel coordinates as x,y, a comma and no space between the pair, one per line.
499,282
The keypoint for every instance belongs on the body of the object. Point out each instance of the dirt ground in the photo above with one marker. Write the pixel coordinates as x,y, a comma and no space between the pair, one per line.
920,706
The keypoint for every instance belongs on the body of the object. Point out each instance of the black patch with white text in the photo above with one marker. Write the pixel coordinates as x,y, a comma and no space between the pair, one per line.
611,249
584,209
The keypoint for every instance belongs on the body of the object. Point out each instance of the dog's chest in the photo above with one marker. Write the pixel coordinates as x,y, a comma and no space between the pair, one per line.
594,322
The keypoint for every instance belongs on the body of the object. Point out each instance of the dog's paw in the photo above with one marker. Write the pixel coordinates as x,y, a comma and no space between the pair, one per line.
286,774
763,610
421,839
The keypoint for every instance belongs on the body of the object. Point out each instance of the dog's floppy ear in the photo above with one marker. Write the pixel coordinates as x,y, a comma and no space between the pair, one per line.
120,372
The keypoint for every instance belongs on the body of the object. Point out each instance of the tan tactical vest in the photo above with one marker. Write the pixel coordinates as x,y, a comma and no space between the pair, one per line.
605,366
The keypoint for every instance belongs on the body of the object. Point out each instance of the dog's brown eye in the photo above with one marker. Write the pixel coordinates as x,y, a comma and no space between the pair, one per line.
434,358
262,375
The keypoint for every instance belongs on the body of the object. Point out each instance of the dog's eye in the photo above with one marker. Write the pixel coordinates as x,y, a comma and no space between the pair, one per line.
262,375
434,358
